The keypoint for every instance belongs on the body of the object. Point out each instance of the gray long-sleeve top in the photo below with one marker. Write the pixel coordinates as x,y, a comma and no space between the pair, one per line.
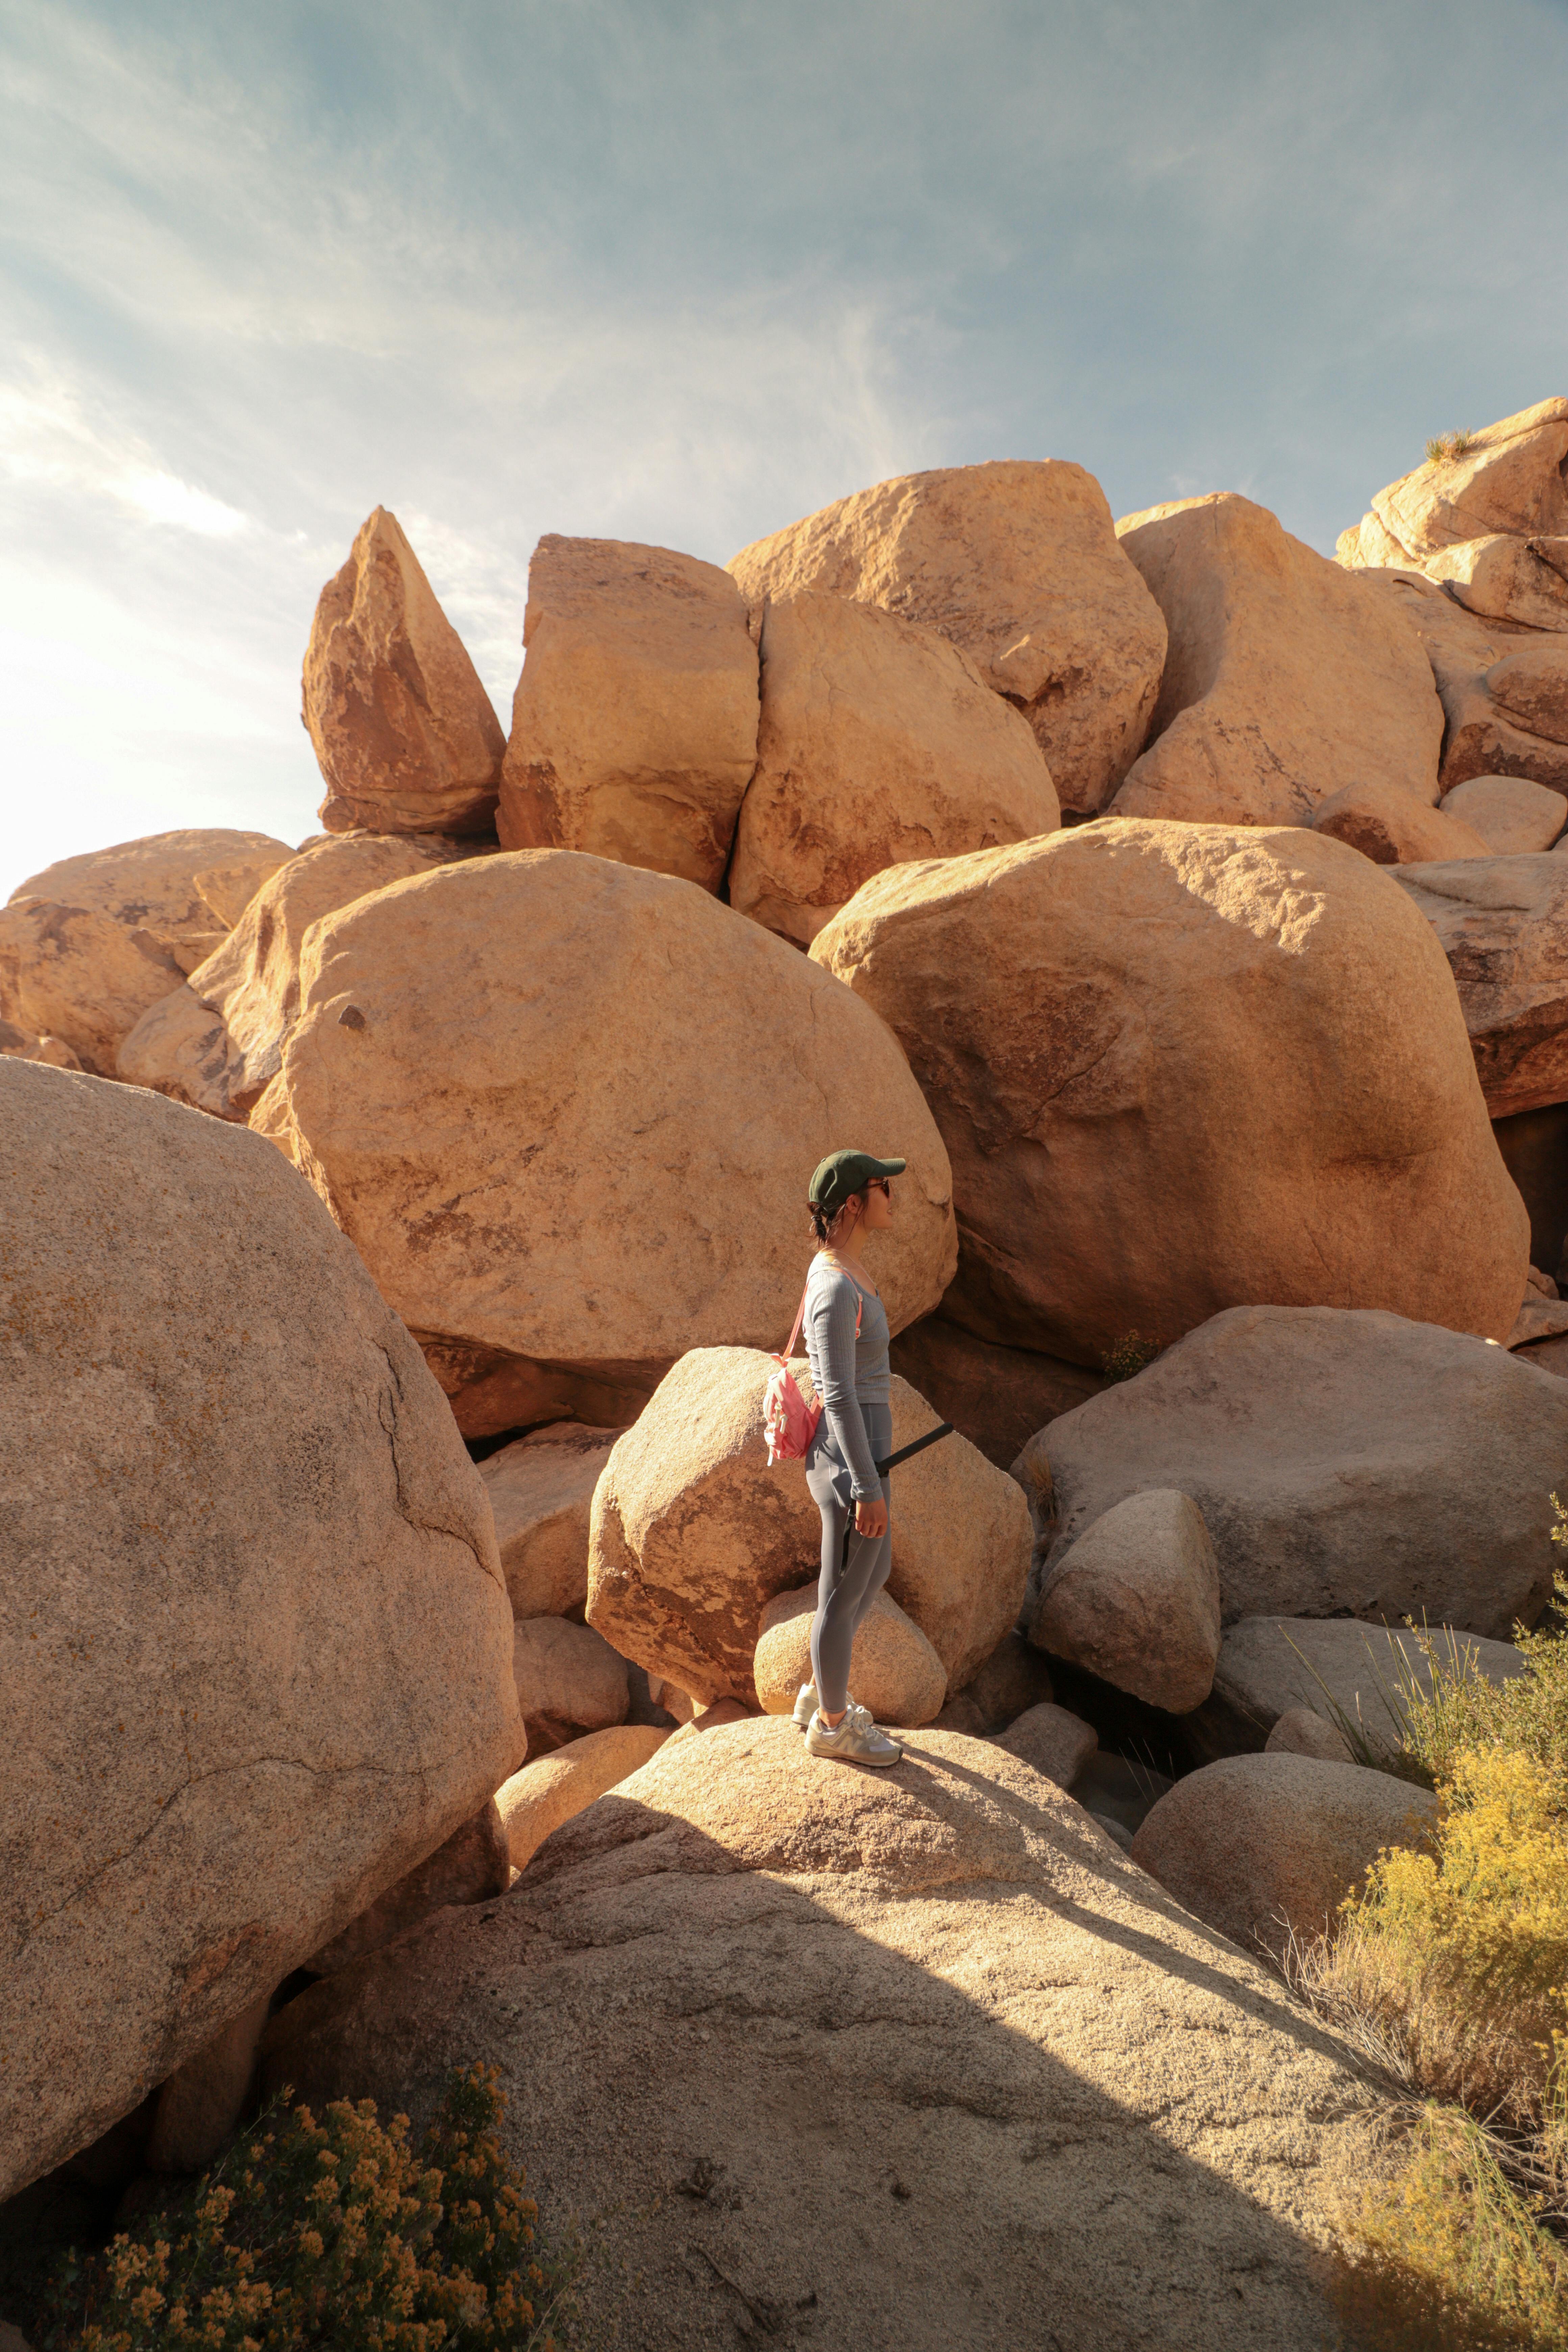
847,1373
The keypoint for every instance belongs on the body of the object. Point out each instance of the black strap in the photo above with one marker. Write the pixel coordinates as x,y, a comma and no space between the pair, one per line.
942,1429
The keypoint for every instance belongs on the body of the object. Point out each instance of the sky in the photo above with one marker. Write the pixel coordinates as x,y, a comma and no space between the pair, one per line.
657,270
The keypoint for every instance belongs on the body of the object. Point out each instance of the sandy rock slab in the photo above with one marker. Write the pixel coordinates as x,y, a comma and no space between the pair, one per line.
1287,677
1017,565
1503,926
633,727
882,2043
693,1535
552,1788
541,1489
879,742
1352,1675
1178,1067
404,734
522,1083
1505,578
258,1664
1345,1464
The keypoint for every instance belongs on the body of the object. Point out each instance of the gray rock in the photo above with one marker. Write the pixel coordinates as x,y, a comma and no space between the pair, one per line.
569,1681
1301,1732
1119,1789
1339,1668
1136,1600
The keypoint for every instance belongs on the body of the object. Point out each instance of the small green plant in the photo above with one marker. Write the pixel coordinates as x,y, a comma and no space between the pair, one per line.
337,2233
1128,1356
1448,445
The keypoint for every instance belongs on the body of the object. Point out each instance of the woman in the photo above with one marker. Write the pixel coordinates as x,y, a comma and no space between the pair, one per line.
847,1340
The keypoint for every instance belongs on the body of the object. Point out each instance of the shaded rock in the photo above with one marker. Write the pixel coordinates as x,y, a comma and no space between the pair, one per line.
22,1046
1548,1355
1136,1600
1300,1731
1287,677
203,2099
633,727
1177,1067
1345,1464
1051,1740
1512,815
218,1041
693,1533
893,1669
944,1954
541,1490
404,734
629,1027
879,742
1525,581
1391,827
1483,736
1017,565
267,1663
569,1681
997,1397
535,1802
1352,1675
1503,926
470,1867
1531,687
1014,1677
1509,479
1259,1845
1119,1790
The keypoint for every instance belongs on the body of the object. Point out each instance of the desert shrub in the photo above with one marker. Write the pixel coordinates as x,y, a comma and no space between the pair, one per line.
336,2233
1128,1356
1448,445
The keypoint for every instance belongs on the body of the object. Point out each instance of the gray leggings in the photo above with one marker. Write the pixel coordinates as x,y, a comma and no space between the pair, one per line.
846,1587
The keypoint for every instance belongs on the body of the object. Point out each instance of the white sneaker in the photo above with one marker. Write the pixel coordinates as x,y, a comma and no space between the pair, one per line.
805,1705
855,1740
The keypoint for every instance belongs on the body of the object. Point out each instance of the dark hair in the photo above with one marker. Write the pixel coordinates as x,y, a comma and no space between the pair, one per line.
823,1221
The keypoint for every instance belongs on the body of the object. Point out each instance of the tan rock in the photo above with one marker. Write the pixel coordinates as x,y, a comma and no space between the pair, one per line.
1531,687
1052,1740
177,887
404,734
216,1042
633,728
951,1962
1017,565
569,1681
1136,1600
202,2100
1509,478
523,1085
473,1865
1178,1067
1367,545
1259,1845
541,1490
260,1663
693,1533
1013,1678
1506,579
1484,736
23,1048
997,1397
893,1669
1356,1676
1346,1464
1287,679
536,1800
1387,826
1513,816
1503,926
1300,1731
880,742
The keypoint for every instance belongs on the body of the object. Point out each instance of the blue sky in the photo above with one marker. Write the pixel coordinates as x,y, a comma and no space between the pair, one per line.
682,273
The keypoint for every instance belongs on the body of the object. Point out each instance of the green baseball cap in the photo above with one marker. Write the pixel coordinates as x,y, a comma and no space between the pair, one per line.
843,1173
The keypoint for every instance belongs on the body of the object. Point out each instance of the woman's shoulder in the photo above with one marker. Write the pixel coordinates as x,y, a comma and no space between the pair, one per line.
826,1276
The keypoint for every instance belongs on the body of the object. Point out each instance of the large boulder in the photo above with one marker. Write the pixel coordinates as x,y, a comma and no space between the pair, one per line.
567,1110
473,1865
404,734
880,742
633,728
1389,825
1345,1464
693,1533
1178,1067
1505,578
893,1669
1262,1846
1503,926
997,1397
1287,677
1353,1676
217,1040
1504,689
917,2058
569,1681
1506,479
1017,564
258,1659
541,1489
1136,1600
1514,817
88,944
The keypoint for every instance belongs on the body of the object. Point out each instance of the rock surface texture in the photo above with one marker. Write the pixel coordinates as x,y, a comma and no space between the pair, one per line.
894,1670
259,1663
1052,1740
1016,563
879,742
1351,1675
1389,825
541,1489
1513,816
693,1533
997,1397
1503,926
535,1802
569,1681
1345,1464
1257,1845
942,2014
1504,690
1287,679
1136,1600
404,734
473,1865
510,1071
633,728
1177,1067
1507,479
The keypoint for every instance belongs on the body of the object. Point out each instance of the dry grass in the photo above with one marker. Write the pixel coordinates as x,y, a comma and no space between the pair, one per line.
1449,445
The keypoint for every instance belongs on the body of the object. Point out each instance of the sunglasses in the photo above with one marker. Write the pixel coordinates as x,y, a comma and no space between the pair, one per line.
883,1184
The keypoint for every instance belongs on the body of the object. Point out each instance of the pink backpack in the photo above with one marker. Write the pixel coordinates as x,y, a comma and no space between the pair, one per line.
789,1422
